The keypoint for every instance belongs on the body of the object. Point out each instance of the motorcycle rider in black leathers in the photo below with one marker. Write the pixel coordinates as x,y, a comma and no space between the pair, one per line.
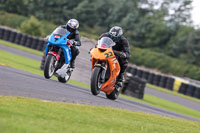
121,49
74,39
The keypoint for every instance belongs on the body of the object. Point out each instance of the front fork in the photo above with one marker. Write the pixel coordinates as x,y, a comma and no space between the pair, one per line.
103,73
59,53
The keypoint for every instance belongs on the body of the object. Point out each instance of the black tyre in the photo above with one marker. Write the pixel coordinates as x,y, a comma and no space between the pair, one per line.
95,81
170,83
183,88
190,90
12,36
134,71
6,34
66,78
49,66
139,73
151,78
18,38
23,39
113,95
42,62
1,32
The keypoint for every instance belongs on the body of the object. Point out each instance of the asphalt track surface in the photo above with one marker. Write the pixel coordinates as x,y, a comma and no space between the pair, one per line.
14,82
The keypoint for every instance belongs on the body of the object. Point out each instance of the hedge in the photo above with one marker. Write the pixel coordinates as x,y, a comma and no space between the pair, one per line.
164,63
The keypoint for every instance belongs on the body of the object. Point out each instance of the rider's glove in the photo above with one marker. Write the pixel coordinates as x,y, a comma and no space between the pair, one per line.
71,42
120,54
75,43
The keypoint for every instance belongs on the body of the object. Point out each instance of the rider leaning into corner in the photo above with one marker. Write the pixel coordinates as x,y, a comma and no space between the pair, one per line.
121,49
74,39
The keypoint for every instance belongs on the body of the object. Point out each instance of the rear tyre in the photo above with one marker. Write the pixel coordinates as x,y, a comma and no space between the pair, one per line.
113,95
49,66
95,81
66,78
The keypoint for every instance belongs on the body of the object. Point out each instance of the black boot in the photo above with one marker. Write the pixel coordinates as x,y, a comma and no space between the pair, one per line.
120,77
72,63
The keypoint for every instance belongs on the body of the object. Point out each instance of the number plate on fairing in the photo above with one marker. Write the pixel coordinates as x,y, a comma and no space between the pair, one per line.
108,54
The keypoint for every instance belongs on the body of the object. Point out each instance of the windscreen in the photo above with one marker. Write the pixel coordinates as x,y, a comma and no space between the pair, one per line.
105,42
60,31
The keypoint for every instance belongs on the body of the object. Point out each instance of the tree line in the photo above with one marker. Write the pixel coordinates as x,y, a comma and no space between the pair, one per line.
162,26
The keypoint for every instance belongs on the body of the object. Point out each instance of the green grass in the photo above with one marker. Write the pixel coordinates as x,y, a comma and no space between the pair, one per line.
172,92
20,62
30,65
36,52
165,104
21,115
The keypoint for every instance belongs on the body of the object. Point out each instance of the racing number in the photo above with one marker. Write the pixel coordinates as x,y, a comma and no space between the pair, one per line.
109,54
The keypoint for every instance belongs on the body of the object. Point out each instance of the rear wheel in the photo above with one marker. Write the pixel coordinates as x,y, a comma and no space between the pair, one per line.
95,81
49,66
66,78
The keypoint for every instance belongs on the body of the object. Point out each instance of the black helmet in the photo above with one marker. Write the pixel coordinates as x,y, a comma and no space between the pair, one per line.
72,25
116,33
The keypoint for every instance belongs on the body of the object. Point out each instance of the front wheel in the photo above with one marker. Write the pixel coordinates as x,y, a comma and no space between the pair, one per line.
66,78
49,66
95,81
114,94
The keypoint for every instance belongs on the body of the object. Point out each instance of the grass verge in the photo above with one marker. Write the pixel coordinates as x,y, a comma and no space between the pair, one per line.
30,65
172,92
31,115
12,45
165,104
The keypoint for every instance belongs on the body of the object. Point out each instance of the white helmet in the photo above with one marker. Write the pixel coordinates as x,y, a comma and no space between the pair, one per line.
72,25
115,33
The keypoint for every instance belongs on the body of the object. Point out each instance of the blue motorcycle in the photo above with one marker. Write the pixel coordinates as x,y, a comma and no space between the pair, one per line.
58,56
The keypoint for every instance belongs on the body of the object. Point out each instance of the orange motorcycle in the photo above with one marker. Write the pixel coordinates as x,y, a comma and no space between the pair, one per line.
105,69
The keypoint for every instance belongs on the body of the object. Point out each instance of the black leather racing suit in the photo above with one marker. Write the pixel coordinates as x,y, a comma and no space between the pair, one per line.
123,46
76,37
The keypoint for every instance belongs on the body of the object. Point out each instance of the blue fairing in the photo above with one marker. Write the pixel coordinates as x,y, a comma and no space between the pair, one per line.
60,42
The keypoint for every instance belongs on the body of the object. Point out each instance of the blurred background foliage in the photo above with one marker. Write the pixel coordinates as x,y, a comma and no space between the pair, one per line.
160,31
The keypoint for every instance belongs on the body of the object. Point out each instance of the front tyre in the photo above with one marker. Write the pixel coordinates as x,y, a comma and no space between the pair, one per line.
49,66
113,95
95,81
66,78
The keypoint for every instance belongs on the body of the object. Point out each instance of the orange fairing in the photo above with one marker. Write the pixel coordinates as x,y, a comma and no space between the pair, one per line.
98,55
108,86
113,63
